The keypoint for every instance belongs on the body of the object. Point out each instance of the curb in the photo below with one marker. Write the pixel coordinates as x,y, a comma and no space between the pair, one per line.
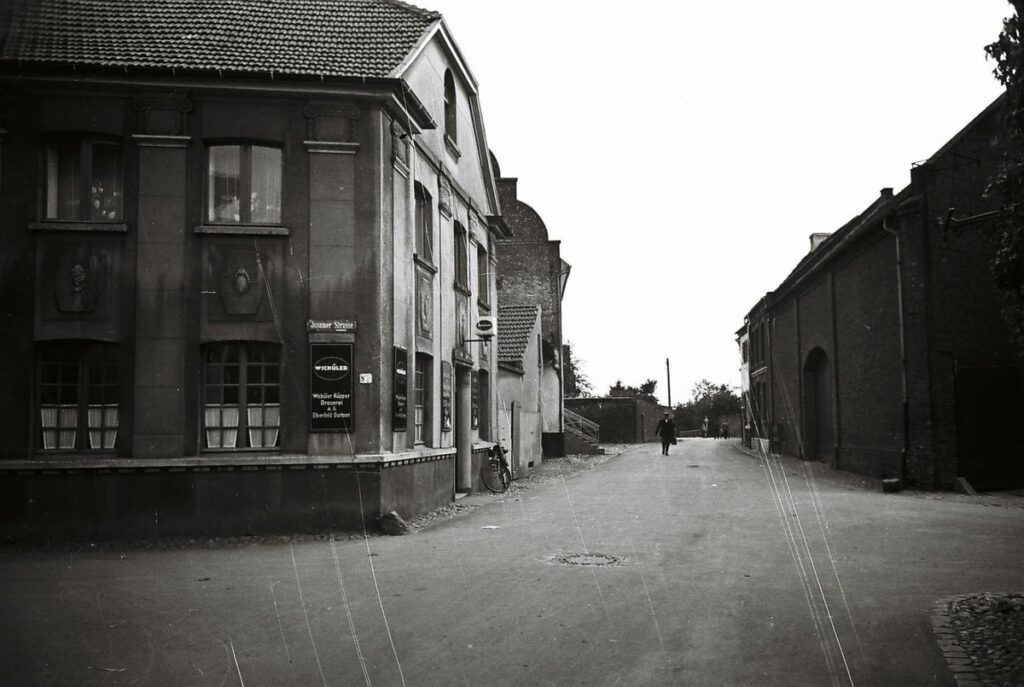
956,658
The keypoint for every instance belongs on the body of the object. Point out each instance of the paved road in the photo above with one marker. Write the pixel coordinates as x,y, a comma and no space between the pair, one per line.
730,571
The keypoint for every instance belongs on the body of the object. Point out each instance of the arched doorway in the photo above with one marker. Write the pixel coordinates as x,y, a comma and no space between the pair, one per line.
817,393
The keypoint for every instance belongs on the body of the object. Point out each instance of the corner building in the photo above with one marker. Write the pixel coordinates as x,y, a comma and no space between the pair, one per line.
239,279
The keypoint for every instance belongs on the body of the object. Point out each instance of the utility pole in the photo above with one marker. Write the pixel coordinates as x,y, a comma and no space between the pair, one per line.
668,374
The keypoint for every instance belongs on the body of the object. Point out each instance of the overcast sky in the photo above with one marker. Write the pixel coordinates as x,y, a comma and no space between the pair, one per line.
684,152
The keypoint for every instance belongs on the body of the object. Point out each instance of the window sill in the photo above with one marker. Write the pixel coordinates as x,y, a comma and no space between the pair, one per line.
242,229
463,289
424,264
483,305
453,149
66,225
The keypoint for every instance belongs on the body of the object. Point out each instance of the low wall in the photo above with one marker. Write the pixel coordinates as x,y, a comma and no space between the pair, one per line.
625,420
196,501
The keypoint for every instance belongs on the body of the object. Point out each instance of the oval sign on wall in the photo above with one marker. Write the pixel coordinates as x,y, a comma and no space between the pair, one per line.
330,368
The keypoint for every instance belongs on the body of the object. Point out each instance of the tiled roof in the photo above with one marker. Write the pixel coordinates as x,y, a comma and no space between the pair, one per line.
341,38
515,325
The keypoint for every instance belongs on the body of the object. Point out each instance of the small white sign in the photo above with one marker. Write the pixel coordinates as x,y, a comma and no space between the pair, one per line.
365,378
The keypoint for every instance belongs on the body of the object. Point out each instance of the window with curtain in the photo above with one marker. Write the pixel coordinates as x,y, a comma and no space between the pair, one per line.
78,387
244,184
84,180
241,396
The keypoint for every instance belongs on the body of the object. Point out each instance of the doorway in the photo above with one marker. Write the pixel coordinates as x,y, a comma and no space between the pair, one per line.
817,395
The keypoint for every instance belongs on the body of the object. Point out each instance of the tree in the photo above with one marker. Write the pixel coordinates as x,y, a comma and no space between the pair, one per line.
1008,185
577,385
712,401
645,390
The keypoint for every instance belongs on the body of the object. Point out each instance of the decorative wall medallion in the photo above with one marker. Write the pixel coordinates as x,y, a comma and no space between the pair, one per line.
78,277
425,313
444,197
241,281
424,304
238,277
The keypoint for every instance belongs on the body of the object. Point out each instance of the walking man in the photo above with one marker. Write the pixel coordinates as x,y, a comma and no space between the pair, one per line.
666,429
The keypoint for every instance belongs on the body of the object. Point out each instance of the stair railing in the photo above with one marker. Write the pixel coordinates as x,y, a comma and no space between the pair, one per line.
581,426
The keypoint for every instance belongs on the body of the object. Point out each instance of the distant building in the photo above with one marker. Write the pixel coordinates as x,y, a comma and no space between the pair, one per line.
520,397
883,352
531,271
239,284
746,424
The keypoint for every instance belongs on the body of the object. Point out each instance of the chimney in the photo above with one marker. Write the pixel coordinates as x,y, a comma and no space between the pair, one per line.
817,239
886,193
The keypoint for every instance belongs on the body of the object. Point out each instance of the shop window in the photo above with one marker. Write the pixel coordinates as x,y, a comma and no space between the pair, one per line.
483,274
422,396
241,396
424,224
461,258
79,396
84,180
450,104
244,184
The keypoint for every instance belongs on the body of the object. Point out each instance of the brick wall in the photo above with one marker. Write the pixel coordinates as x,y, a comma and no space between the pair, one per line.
867,357
622,420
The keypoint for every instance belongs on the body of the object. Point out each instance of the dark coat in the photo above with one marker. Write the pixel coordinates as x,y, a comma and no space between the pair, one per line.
666,429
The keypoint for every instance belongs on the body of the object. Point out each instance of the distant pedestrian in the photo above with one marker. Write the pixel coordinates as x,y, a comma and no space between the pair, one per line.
704,428
725,429
666,429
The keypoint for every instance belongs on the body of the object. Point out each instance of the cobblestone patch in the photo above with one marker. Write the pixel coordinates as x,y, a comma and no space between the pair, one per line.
558,468
452,510
550,470
982,638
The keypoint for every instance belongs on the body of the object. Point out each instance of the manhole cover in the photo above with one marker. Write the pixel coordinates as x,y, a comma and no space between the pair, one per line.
588,559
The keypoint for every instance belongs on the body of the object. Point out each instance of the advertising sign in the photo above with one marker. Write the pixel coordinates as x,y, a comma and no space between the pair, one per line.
330,385
400,405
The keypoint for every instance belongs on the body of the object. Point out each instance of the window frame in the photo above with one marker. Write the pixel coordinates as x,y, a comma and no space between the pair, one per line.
83,143
95,363
422,399
461,241
243,426
245,182
451,117
424,224
483,276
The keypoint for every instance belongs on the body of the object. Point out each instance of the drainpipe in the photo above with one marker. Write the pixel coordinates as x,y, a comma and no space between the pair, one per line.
903,353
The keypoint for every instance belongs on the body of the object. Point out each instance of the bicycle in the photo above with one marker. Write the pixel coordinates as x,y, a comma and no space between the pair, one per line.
495,473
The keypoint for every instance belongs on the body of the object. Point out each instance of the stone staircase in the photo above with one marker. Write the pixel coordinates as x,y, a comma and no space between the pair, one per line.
582,436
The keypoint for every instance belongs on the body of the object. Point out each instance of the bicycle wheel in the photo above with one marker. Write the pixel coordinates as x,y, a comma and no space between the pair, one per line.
495,477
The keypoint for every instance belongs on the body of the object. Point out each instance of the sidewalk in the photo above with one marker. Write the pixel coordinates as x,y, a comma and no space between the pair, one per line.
1010,498
548,471
981,634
